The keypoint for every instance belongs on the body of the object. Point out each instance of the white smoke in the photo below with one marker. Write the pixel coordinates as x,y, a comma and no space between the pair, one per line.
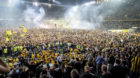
90,15
12,3
57,2
15,13
34,15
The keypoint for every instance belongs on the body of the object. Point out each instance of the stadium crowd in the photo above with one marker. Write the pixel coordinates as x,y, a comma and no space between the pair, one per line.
42,53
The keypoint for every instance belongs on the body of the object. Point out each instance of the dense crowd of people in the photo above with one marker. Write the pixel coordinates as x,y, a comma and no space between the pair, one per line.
123,24
44,53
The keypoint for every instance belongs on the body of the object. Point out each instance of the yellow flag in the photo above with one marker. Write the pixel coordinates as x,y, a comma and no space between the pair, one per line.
11,65
7,39
25,30
45,57
22,26
126,30
37,55
53,62
9,33
135,38
22,35
56,54
15,32
33,56
71,49
35,61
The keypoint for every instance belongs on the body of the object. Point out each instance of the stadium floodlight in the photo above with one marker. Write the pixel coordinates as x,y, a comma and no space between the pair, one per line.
35,3
53,0
49,5
10,1
13,3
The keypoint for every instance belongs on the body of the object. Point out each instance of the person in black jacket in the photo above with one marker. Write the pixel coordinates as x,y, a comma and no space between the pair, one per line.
1,51
118,71
68,71
87,73
77,65
32,67
56,72
74,73
105,74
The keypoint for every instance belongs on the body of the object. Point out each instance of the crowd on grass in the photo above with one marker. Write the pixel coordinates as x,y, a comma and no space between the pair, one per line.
43,53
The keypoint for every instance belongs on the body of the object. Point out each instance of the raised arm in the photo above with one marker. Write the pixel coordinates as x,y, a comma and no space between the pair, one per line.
38,63
4,68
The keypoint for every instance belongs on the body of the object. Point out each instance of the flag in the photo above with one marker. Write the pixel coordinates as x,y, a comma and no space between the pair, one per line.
25,30
22,35
22,26
8,33
135,38
15,32
7,39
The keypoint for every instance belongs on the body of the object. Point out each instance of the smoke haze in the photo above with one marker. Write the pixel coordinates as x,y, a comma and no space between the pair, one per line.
79,15
90,15
17,12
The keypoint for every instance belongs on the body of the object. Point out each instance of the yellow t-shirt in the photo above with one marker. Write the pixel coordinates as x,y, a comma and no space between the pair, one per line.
37,55
17,59
33,56
11,65
5,51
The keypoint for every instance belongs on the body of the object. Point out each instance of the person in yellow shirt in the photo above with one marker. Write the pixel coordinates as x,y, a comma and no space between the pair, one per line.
10,58
135,67
45,57
33,56
56,54
53,62
71,49
38,56
16,59
5,52
41,56
35,62
10,65
20,48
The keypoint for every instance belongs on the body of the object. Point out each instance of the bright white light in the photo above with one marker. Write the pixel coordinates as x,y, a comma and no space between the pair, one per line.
35,3
53,0
89,3
13,3
107,0
75,8
49,5
116,1
10,1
